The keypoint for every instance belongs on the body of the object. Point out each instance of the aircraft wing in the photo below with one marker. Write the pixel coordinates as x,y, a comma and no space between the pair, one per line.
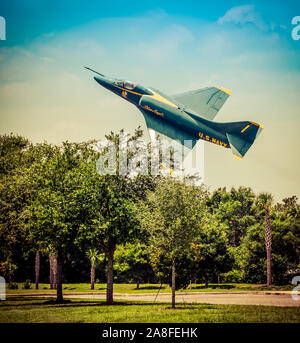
162,127
205,101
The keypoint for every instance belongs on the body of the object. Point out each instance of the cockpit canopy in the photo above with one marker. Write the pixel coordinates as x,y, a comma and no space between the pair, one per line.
126,84
129,85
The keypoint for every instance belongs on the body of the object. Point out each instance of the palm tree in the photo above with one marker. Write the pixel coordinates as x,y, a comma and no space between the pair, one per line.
264,203
93,257
37,268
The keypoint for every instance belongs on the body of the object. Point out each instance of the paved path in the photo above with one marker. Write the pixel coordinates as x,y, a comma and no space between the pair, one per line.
242,298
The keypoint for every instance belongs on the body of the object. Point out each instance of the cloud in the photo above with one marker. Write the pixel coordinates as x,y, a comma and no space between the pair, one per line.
47,59
243,15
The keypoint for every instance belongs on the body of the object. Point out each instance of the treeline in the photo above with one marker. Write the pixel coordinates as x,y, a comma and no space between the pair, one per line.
61,221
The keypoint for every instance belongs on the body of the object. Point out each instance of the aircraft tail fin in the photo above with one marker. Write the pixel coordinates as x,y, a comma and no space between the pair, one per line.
241,135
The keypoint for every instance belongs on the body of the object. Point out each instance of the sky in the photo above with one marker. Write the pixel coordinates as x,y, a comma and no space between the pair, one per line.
244,46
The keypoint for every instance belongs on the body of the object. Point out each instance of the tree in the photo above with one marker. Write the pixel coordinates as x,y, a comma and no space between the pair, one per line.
54,213
110,217
94,257
37,268
132,263
16,153
264,203
286,239
8,269
170,215
210,250
52,270
235,210
285,254
16,192
12,156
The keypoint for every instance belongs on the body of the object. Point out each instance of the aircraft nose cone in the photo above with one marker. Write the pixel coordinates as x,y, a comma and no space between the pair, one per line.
103,81
98,79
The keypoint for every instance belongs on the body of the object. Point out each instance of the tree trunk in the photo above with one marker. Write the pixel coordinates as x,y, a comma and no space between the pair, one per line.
110,275
173,282
54,266
206,281
51,271
10,278
37,269
268,241
59,278
269,277
138,284
92,276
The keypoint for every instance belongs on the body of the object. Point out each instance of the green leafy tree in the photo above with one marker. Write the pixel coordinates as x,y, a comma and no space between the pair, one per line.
8,269
110,218
285,256
235,210
54,213
211,252
132,263
250,256
17,155
171,215
12,153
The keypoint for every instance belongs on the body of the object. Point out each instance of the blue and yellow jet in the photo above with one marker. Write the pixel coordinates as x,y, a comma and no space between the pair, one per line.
187,116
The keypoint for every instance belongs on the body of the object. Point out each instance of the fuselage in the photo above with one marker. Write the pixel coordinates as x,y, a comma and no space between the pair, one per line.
166,109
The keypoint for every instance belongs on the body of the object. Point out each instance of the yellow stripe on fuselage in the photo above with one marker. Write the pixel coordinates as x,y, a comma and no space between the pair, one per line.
155,96
127,90
160,98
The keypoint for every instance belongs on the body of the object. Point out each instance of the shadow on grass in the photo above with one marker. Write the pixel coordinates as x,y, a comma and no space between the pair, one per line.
150,287
83,303
213,287
23,302
159,306
67,303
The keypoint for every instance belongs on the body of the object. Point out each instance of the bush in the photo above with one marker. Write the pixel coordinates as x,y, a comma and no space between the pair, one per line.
233,276
13,285
27,284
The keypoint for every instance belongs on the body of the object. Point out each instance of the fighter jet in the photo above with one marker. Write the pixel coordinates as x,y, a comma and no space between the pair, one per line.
186,117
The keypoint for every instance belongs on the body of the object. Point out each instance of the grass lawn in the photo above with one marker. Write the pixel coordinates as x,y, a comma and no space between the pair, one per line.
147,288
42,310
